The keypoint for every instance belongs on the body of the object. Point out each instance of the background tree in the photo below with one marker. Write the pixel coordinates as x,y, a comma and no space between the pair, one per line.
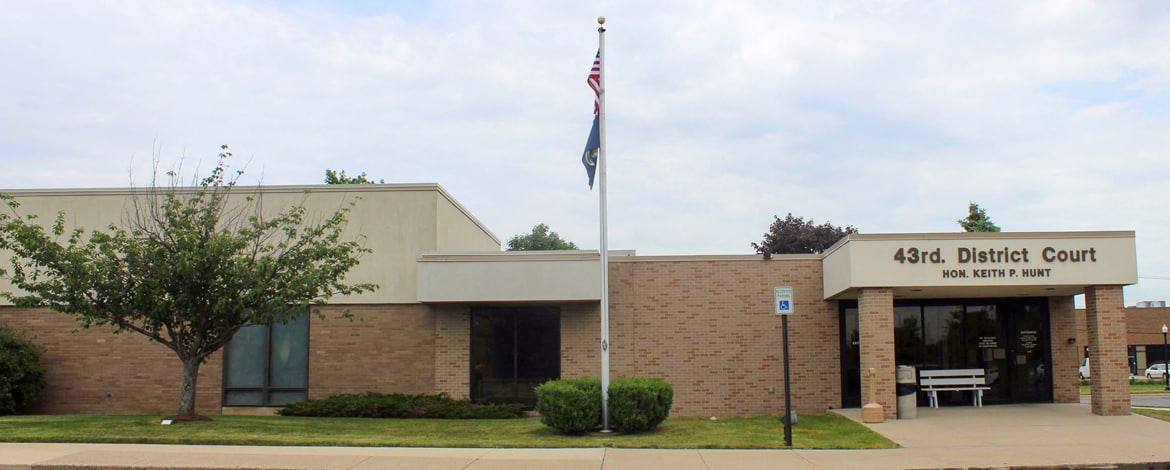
187,267
977,220
333,177
540,239
796,235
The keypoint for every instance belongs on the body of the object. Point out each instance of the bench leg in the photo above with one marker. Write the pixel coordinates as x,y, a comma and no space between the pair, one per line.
979,398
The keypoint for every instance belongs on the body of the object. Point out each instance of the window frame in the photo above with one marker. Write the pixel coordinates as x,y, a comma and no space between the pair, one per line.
266,389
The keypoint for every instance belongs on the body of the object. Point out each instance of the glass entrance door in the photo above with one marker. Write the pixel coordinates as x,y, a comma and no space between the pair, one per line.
513,349
1006,338
987,347
1029,356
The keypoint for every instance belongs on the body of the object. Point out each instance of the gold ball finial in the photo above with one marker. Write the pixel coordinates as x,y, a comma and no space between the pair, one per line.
600,20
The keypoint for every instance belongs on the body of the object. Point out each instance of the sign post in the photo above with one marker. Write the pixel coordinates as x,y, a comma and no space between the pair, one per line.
782,301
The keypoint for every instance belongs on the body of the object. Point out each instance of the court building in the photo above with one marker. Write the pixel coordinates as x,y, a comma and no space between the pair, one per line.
456,315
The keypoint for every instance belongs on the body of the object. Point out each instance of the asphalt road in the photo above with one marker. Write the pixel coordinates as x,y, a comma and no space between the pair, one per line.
1148,399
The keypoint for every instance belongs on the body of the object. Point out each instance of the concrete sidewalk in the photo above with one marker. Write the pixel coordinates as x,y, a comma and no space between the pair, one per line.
1012,436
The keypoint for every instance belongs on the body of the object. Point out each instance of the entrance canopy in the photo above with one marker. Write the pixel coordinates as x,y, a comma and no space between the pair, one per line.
963,265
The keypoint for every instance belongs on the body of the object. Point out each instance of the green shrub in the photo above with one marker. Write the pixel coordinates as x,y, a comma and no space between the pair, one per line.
574,405
639,404
21,376
570,405
398,405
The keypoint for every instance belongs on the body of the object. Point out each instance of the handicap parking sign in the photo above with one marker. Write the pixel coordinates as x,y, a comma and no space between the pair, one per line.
783,300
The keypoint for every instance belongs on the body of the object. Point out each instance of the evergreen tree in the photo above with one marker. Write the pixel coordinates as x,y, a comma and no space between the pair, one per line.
977,220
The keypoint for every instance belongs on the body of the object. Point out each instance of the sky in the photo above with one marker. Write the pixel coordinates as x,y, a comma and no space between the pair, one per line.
890,116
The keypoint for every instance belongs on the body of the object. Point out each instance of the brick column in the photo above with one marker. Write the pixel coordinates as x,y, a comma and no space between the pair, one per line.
875,311
1065,356
1108,364
453,351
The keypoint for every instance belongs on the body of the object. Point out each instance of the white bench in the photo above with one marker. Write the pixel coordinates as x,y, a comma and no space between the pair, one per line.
953,380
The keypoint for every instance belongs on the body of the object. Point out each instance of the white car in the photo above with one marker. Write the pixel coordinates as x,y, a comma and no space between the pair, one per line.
1083,370
1156,371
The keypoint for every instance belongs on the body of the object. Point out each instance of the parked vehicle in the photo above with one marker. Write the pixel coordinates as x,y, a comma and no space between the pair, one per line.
1156,371
1083,370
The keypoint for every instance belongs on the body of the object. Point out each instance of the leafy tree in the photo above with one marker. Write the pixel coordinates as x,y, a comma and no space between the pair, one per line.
541,238
977,220
22,377
796,235
333,177
187,267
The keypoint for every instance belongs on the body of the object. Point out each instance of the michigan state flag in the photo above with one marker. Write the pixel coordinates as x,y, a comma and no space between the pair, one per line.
592,147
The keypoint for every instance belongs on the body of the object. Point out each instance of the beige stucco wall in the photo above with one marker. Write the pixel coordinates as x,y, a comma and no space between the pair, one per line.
398,221
518,276
458,230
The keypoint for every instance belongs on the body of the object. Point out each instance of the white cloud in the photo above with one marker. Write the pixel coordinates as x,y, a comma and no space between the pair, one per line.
888,115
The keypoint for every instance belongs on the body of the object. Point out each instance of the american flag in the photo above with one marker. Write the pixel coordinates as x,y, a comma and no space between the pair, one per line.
595,83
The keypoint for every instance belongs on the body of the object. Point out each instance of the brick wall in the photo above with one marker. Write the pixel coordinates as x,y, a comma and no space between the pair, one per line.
707,326
453,350
1065,357
1105,315
1144,327
95,371
581,339
386,348
875,318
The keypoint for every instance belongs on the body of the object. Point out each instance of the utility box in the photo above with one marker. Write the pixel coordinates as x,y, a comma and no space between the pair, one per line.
906,380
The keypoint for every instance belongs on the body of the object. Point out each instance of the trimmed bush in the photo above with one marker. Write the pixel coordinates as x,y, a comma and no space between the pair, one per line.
398,405
574,405
639,404
570,406
22,378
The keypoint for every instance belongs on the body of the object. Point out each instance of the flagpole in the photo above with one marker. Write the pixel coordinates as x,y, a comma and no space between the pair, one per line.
601,161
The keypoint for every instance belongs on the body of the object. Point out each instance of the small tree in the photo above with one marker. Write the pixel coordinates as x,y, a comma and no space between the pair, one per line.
21,375
796,235
333,177
977,220
187,267
541,238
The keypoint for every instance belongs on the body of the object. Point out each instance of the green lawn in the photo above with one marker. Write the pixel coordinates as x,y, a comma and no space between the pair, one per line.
1160,413
1138,387
762,432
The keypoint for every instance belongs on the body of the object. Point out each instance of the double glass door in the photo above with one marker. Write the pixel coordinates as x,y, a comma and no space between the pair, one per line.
513,349
1007,338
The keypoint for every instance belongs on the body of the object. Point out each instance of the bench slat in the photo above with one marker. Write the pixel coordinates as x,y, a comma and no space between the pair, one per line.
929,381
951,372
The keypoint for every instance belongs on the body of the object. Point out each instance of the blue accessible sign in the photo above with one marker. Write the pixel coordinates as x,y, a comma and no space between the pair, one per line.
783,300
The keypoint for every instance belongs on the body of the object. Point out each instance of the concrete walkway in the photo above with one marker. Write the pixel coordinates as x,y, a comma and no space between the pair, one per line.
1013,436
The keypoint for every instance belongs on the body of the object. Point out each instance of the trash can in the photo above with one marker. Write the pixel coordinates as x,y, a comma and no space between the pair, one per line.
907,387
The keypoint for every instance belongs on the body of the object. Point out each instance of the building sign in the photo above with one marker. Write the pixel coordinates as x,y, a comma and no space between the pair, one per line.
782,300
1029,339
975,260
